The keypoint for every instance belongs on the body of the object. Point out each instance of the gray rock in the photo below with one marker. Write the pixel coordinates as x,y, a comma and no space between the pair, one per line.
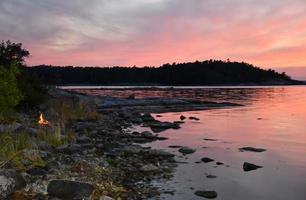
207,194
73,190
186,150
250,167
106,198
252,149
10,181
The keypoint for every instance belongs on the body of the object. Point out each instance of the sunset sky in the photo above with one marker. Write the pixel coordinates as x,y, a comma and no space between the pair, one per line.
152,32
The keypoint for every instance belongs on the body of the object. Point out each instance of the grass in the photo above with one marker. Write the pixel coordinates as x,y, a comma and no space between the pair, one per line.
19,147
70,110
13,148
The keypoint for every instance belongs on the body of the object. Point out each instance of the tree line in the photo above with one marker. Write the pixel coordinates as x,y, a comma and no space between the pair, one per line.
210,72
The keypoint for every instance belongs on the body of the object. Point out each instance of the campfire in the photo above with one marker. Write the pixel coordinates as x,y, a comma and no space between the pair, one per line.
42,121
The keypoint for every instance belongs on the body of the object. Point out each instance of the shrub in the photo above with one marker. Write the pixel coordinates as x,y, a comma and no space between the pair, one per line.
10,93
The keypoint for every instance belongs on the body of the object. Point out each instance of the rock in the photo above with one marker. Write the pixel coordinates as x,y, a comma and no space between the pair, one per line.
186,150
158,126
106,198
174,146
219,163
194,118
149,168
207,194
36,171
211,176
132,149
65,189
252,149
147,134
207,160
182,117
160,153
147,117
162,138
249,166
212,140
10,181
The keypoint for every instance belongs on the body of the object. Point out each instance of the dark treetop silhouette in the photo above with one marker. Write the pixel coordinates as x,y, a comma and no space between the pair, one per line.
211,72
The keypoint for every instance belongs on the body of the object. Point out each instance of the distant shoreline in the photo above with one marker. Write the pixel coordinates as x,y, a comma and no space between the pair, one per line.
139,87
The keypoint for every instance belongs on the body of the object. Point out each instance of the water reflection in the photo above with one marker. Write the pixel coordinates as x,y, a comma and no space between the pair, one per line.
272,118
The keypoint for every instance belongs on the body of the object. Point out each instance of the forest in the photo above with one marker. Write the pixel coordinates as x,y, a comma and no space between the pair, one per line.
210,72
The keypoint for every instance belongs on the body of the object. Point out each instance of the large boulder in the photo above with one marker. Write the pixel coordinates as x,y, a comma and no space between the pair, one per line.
10,181
70,189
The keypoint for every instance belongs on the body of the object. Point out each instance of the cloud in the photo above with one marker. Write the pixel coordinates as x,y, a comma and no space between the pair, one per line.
151,32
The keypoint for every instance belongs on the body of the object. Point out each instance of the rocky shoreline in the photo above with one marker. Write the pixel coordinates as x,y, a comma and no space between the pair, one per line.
103,159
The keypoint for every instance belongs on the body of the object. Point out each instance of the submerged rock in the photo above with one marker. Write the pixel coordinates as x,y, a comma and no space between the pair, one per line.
69,189
186,150
10,181
252,149
207,160
249,166
207,194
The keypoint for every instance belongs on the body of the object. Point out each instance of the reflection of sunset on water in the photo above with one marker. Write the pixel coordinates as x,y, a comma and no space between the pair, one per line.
273,118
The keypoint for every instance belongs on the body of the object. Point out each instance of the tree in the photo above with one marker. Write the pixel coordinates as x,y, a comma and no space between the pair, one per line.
10,94
12,54
17,86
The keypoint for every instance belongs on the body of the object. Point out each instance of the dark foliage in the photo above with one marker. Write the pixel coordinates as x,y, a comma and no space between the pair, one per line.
22,87
12,52
211,72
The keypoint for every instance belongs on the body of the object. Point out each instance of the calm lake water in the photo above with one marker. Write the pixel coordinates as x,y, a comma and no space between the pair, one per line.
273,118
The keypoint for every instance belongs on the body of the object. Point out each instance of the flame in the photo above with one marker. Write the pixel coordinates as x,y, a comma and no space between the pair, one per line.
42,121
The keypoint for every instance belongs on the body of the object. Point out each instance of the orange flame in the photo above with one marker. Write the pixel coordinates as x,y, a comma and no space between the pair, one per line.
42,121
